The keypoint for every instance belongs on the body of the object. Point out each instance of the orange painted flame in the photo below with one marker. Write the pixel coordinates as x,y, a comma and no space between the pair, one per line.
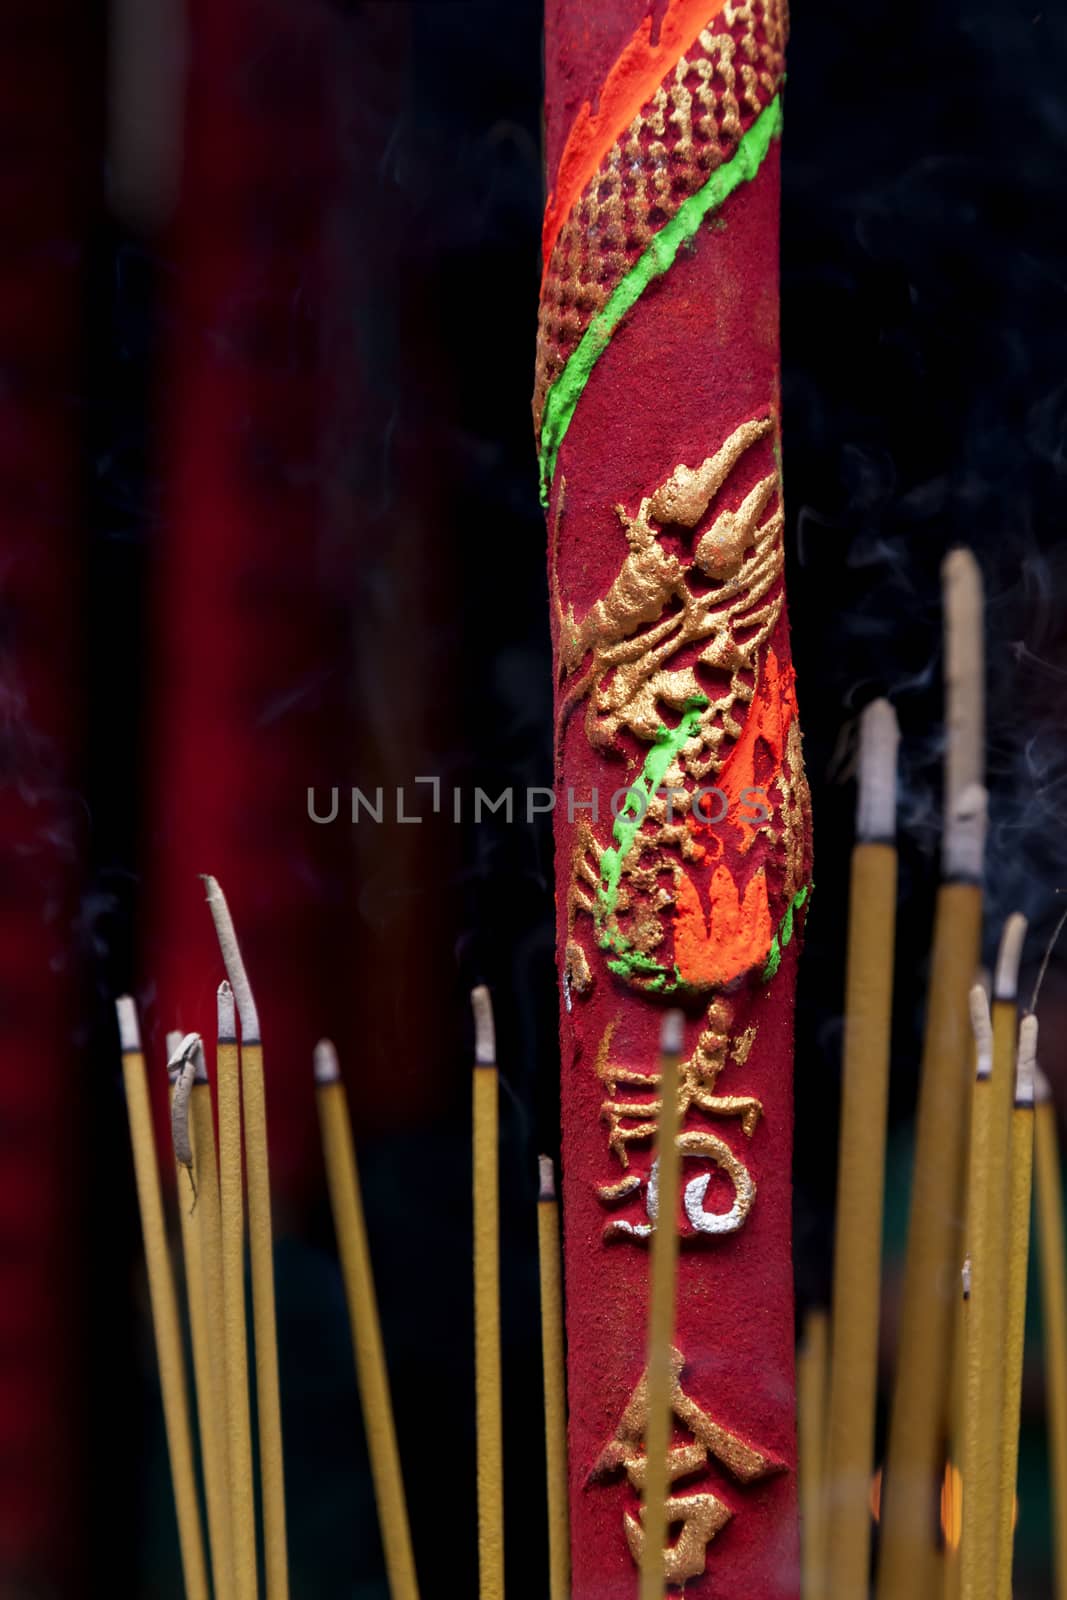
735,937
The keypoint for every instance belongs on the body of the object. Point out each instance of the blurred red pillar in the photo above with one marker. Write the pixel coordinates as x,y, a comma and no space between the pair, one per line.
48,142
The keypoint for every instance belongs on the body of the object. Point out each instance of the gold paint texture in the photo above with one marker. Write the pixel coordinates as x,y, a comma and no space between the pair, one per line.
692,124
701,1515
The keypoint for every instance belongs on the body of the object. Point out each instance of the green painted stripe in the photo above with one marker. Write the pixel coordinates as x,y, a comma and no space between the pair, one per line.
565,393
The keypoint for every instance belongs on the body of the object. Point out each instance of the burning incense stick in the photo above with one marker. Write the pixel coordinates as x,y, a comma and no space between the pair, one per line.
164,1302
487,1303
346,1202
908,1564
261,1249
663,1281
189,1087
231,1210
1020,1199
202,1119
979,1464
1054,1312
555,1378
996,1197
812,1373
861,1164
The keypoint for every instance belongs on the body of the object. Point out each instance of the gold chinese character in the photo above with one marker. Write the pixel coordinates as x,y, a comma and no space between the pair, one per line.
702,1515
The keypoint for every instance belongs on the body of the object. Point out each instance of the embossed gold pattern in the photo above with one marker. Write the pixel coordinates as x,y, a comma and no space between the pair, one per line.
690,127
701,1515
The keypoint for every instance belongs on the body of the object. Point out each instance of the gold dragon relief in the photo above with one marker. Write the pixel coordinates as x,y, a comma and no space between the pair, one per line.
697,888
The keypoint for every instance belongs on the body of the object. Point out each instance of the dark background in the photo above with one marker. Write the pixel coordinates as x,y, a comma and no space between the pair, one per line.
923,275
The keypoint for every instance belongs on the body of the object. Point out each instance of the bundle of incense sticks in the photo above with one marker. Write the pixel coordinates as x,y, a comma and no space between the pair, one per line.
945,1500
836,1397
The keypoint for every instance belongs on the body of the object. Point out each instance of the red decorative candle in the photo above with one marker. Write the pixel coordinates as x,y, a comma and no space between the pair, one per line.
682,819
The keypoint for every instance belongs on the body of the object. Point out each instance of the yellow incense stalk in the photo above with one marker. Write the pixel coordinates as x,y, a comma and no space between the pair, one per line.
996,1198
346,1203
231,1212
909,1562
1020,1197
1054,1314
861,1161
979,1465
164,1303
812,1374
488,1407
663,1278
198,1208
261,1250
555,1378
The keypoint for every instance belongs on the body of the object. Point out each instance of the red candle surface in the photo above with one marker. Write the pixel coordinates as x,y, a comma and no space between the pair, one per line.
682,817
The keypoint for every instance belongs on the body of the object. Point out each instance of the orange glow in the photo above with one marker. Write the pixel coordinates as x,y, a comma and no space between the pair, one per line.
951,1504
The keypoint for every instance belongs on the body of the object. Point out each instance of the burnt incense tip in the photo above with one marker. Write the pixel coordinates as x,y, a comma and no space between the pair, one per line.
1026,1066
546,1173
965,1277
232,959
227,1012
672,1033
200,1063
484,1029
326,1066
129,1027
1009,958
982,1027
1042,1087
966,821
876,807
181,1048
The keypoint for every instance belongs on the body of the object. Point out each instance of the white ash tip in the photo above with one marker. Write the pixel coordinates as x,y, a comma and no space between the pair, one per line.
180,1049
227,1012
1026,1066
1042,1087
982,1028
876,806
484,1029
965,1277
327,1067
200,1062
172,1040
129,1027
1009,957
672,1033
960,565
547,1178
232,959
963,851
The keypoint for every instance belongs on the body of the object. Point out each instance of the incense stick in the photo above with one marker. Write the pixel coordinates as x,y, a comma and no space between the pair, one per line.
202,1119
908,1559
261,1250
663,1283
346,1203
184,1066
978,1534
861,1162
488,1406
164,1302
555,1381
812,1382
1054,1314
1022,1157
231,1210
995,1196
